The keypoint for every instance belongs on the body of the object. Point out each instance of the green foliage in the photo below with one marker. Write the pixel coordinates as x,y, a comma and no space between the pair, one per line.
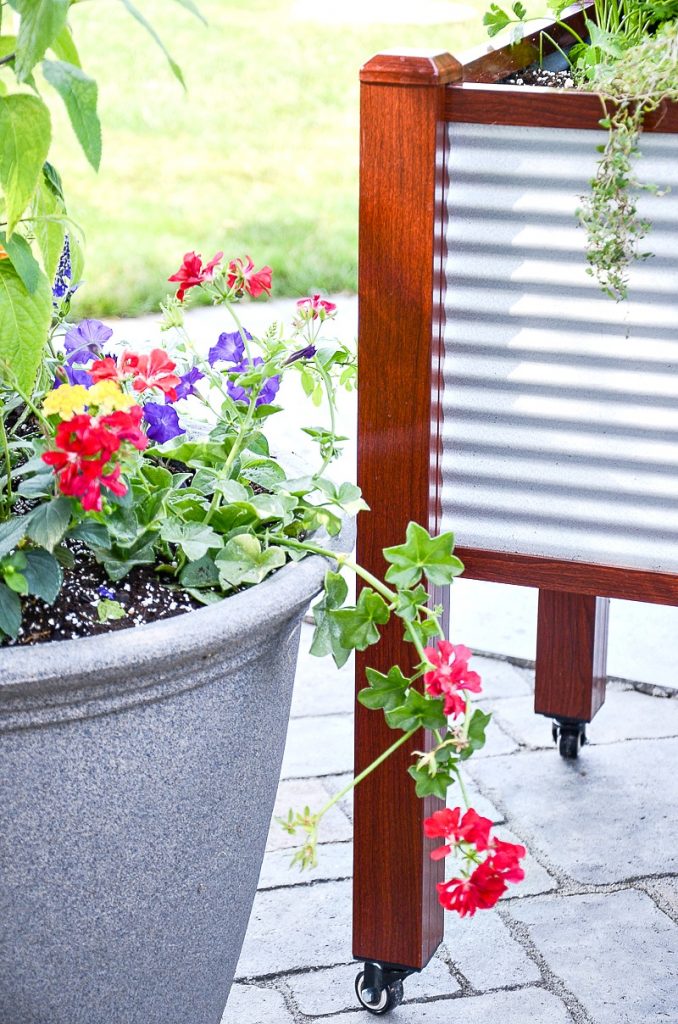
79,93
24,323
110,611
423,554
25,135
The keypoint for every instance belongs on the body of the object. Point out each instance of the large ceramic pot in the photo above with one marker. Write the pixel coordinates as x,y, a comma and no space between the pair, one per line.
138,773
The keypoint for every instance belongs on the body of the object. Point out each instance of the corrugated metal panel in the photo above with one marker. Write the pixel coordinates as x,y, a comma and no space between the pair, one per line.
561,406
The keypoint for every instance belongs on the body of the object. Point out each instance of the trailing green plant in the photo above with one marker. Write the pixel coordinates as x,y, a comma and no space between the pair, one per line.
636,84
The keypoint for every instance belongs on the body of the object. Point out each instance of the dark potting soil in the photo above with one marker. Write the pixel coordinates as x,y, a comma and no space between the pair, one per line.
142,594
535,75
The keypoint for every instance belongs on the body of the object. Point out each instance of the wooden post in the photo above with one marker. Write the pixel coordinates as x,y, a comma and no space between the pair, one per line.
570,671
397,919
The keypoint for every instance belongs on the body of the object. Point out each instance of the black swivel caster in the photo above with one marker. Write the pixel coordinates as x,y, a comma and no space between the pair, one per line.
570,735
380,989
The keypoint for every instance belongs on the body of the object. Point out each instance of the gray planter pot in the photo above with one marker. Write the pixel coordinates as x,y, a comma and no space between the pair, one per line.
138,773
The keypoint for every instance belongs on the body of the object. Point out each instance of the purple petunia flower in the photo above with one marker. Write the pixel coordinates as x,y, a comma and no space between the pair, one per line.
77,375
163,422
240,394
83,342
188,382
303,353
229,348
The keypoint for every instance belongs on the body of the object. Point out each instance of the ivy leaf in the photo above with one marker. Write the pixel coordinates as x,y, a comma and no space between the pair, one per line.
12,532
194,539
327,635
41,23
409,602
422,553
10,611
387,692
476,733
241,560
22,259
43,575
25,135
49,522
358,625
79,93
201,573
24,323
430,785
417,712
138,16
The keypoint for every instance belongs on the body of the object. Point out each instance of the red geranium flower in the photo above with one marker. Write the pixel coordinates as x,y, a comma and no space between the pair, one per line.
191,272
450,675
125,426
104,369
479,892
504,859
449,824
242,277
151,370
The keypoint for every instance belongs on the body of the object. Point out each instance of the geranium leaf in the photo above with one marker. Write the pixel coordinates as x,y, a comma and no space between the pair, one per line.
10,611
418,712
358,625
43,575
79,93
49,522
195,539
422,553
241,560
327,635
430,785
387,692
25,135
476,733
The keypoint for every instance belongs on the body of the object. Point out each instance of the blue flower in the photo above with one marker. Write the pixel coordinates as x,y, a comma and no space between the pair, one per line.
241,394
83,342
230,348
74,375
188,382
163,422
106,592
303,353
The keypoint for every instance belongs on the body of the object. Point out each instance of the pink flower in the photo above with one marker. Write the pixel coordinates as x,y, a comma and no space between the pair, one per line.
192,273
242,277
450,675
313,307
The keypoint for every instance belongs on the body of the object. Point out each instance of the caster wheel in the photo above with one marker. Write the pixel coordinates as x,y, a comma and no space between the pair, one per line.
568,746
378,1001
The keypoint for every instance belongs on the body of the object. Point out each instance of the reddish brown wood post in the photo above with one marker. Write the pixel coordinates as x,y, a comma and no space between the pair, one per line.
397,919
570,671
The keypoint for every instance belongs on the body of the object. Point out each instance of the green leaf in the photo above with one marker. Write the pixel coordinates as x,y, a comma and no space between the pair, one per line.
79,93
476,733
201,573
241,560
136,13
430,785
49,522
17,582
89,532
495,20
422,553
43,574
194,539
24,323
190,6
64,47
326,637
10,611
418,711
12,532
109,611
49,233
41,23
22,259
409,602
25,135
387,692
358,625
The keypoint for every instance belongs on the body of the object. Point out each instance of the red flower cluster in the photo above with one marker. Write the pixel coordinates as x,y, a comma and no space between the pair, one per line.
191,272
242,277
152,370
450,675
470,834
85,446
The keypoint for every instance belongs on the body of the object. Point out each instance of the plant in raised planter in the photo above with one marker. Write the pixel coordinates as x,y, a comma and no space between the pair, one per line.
629,57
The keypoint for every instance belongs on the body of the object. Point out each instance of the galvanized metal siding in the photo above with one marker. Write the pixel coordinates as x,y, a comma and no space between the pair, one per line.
561,406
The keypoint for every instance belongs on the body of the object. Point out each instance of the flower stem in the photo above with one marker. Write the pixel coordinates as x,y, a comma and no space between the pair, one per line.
7,501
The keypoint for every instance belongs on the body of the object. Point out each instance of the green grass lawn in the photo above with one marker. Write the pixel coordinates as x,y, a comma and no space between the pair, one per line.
260,156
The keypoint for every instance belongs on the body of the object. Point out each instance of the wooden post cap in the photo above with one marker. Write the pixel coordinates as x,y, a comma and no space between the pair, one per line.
413,67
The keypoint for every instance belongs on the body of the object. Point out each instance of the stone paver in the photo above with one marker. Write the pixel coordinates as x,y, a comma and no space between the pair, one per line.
318,746
625,715
665,892
335,861
526,1006
249,1004
300,793
497,742
501,679
603,818
333,990
287,932
616,951
484,951
321,688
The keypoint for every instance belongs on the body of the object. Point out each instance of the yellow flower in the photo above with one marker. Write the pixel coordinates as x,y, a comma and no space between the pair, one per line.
66,401
108,397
